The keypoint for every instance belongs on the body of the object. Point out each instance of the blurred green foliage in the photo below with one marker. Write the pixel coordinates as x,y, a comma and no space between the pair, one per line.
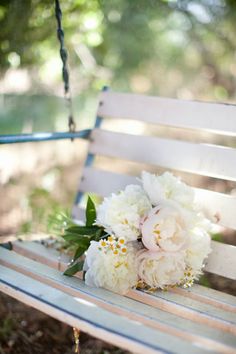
7,325
26,113
39,214
166,42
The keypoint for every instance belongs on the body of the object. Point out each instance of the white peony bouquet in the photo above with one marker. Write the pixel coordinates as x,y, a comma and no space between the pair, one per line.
150,235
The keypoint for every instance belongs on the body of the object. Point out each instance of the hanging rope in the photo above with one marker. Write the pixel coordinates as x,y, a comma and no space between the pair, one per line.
65,71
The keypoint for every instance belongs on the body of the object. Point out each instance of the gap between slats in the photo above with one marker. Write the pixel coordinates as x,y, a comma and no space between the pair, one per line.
66,285
202,159
212,117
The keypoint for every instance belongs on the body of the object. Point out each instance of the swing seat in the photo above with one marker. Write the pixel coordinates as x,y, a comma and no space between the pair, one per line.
195,320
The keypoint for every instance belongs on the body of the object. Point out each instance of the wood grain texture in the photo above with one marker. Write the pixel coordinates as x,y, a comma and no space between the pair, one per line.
219,118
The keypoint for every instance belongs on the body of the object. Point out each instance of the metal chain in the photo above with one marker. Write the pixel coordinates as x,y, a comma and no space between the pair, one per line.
65,71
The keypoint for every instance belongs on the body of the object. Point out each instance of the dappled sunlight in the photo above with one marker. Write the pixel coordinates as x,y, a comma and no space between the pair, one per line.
85,302
18,160
34,175
15,81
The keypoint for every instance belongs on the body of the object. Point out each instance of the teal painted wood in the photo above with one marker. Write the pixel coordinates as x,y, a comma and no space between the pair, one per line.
90,156
213,295
204,309
44,136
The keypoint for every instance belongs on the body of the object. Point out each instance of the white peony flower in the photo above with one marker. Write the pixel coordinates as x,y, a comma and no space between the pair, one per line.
120,213
165,228
167,186
161,269
198,248
106,268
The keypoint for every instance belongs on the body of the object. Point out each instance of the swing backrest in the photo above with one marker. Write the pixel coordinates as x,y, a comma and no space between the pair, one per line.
197,320
137,147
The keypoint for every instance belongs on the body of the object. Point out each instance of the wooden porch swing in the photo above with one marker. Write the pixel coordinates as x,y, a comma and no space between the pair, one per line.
195,320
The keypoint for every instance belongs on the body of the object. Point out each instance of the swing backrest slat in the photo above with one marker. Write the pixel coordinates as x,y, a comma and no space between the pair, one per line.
203,159
211,117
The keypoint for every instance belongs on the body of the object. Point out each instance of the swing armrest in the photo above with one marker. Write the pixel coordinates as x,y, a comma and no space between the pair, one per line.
43,136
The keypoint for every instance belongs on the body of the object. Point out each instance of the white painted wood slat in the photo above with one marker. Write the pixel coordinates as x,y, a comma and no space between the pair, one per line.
177,307
36,252
220,118
92,319
217,206
203,159
209,296
199,334
53,258
222,260
194,304
41,253
103,324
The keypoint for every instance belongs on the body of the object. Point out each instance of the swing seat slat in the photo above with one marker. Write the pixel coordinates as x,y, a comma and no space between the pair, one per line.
208,325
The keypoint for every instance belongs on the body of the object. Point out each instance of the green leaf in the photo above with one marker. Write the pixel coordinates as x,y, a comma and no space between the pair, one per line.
79,252
82,230
217,237
77,267
58,221
98,235
83,241
90,212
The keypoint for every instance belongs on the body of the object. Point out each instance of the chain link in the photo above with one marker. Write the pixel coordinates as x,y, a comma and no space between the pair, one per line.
65,71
